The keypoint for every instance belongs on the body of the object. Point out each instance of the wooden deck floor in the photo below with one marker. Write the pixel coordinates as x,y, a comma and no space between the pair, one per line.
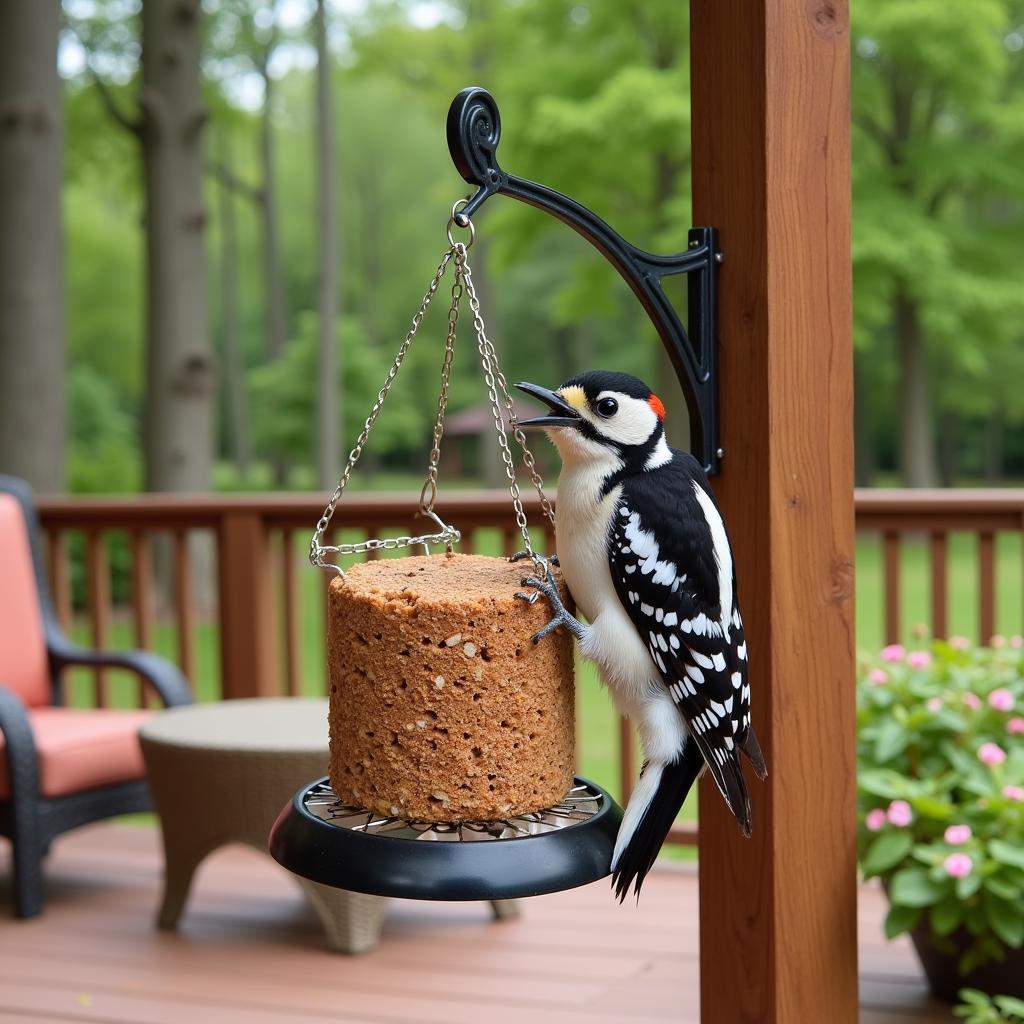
249,950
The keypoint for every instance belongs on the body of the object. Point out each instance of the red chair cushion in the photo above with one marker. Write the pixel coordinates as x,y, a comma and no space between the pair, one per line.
82,749
23,665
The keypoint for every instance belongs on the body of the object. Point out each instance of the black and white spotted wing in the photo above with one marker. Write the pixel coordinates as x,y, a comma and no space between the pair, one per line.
665,568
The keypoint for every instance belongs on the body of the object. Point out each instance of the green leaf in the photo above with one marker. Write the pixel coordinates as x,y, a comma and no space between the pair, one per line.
967,886
886,852
891,740
900,920
1006,920
882,782
1003,889
1009,1004
913,887
946,916
929,807
1006,853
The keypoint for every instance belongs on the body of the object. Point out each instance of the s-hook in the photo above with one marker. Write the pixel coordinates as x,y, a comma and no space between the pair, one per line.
474,130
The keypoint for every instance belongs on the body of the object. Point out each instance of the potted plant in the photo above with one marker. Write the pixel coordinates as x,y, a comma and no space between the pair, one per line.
941,801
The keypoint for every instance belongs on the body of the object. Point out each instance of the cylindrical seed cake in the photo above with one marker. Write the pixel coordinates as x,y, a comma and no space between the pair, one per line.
441,706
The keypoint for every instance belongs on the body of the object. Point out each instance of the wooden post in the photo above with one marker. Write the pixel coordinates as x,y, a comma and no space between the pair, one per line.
771,170
248,648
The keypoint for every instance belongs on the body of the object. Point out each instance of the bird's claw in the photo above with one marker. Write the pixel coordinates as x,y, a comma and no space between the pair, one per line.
549,588
522,553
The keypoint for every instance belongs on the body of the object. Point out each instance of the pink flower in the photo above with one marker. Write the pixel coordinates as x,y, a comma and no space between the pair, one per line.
1001,699
997,640
1017,640
934,704
991,753
899,813
875,820
1015,726
1014,793
919,659
972,700
961,643
877,677
894,652
958,865
957,835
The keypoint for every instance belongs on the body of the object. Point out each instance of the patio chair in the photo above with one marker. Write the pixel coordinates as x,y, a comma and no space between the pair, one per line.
59,767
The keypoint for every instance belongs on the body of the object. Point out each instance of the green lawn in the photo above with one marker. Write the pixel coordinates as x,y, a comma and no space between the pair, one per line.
598,756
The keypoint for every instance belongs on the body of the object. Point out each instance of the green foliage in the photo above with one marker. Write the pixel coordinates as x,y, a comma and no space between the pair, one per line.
283,393
595,99
938,104
978,1008
941,758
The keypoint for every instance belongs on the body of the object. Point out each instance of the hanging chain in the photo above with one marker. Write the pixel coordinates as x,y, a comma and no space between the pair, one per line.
495,381
448,535
428,493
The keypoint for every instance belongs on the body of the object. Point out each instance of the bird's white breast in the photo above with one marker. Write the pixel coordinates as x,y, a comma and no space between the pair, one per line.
582,527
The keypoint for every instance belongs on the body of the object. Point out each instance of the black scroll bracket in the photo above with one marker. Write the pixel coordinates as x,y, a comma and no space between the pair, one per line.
474,130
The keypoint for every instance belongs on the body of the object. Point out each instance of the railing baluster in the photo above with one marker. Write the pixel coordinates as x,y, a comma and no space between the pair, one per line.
627,759
60,589
184,610
99,607
511,539
60,576
986,586
940,586
891,547
142,603
292,653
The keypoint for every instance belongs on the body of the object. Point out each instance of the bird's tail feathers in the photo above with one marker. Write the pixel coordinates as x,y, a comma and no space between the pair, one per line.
728,777
651,811
752,749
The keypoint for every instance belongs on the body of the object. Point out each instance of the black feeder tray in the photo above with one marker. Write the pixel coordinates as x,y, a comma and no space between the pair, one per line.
325,840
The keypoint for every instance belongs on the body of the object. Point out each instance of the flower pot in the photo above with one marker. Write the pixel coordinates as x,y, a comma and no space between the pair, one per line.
996,977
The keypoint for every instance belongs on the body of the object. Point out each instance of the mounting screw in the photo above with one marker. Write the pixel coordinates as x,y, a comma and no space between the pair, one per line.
720,453
719,257
694,244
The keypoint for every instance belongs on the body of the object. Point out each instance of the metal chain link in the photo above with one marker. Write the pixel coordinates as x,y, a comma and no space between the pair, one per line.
495,381
448,534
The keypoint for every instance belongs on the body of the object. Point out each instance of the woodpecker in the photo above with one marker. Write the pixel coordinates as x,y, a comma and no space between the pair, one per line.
645,554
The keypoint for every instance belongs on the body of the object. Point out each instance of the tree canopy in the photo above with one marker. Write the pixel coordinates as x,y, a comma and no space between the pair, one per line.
595,102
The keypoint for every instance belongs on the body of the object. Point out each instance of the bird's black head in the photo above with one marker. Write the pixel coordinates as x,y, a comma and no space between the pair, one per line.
602,414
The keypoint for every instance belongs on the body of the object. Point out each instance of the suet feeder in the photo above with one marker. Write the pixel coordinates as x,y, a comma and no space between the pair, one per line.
365,845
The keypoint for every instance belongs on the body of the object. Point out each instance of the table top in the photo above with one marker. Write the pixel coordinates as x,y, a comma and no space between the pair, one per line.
269,724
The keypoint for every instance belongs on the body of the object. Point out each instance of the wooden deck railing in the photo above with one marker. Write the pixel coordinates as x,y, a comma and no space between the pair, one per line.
263,594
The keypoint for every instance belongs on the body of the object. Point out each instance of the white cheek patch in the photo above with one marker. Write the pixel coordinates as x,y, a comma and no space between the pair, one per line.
631,425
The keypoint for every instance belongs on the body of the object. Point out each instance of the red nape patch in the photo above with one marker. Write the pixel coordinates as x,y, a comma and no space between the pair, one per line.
658,406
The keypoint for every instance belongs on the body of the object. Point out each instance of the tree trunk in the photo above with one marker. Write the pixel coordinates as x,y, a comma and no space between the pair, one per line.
180,372
995,434
917,430
330,372
273,278
234,375
864,449
949,462
32,409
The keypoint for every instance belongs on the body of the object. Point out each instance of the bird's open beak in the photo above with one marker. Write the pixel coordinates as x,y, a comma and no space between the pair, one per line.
563,414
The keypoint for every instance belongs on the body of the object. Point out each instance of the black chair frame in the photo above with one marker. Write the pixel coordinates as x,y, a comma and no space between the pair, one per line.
30,820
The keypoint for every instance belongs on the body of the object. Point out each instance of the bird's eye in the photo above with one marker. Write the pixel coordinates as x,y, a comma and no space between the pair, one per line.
607,407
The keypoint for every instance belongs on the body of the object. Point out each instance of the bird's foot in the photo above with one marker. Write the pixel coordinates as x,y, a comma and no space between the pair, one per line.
522,553
549,589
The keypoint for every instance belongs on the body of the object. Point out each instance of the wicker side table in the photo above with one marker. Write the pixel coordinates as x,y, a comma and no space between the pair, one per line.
220,773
